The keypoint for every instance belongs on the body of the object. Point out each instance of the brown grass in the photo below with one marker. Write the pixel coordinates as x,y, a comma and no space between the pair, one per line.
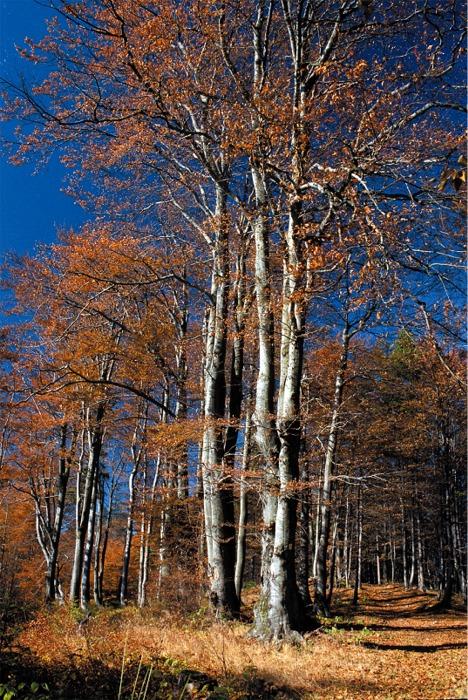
391,648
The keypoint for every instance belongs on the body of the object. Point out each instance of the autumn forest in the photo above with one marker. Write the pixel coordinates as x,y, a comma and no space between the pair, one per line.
232,402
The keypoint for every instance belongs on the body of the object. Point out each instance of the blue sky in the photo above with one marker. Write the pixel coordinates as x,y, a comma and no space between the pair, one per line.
32,206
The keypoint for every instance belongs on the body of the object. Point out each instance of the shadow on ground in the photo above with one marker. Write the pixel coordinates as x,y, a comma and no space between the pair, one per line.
421,649
97,681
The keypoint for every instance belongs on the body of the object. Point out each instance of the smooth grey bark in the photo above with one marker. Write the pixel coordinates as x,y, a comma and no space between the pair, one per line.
98,537
243,510
263,418
102,535
85,584
265,431
241,305
217,486
421,585
286,612
49,513
146,530
164,520
123,584
393,554
166,501
303,554
137,447
317,524
181,386
84,496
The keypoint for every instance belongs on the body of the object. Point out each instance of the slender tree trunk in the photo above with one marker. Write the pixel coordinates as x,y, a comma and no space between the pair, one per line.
345,542
89,543
181,397
49,496
286,612
321,598
242,526
146,529
265,433
393,554
333,554
164,518
217,486
84,496
421,585
317,525
137,448
123,587
413,551
53,587
358,575
403,545
97,589
303,564
377,560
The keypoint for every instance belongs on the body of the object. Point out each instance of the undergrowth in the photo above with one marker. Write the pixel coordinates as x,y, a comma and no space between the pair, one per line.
128,654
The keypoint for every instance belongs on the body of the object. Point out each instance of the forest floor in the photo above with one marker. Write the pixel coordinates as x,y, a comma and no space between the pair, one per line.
394,646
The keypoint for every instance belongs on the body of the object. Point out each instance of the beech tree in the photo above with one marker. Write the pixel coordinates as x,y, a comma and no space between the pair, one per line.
297,151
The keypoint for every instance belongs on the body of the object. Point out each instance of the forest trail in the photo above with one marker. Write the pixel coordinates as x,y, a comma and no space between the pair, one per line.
395,647
392,647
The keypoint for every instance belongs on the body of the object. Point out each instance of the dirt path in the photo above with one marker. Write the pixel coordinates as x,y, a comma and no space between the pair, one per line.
393,647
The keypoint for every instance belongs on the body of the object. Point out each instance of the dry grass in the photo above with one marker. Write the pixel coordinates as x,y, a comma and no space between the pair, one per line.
392,648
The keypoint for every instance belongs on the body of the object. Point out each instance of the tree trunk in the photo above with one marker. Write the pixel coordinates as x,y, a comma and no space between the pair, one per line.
358,575
403,545
123,586
217,485
146,529
265,434
333,554
286,614
181,397
303,563
413,551
49,513
84,496
321,590
137,448
393,554
97,587
89,543
241,531
345,543
377,560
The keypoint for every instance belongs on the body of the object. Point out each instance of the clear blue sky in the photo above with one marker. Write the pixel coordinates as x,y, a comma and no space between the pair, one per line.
32,207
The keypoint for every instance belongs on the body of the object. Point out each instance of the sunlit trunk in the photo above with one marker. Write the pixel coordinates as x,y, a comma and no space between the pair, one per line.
85,492
265,432
218,490
242,522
